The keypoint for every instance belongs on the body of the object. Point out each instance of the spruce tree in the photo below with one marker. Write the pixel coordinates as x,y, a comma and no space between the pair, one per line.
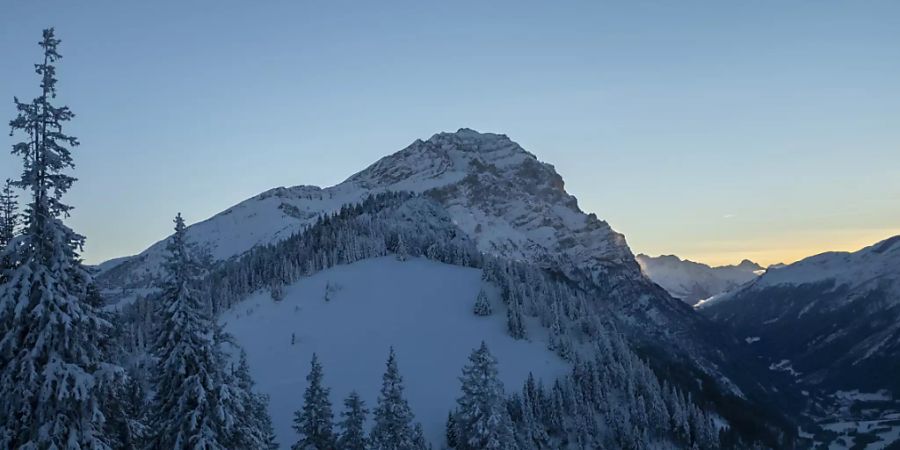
393,428
418,437
483,421
482,305
195,405
353,435
127,416
401,250
52,373
314,422
515,325
9,217
451,431
255,427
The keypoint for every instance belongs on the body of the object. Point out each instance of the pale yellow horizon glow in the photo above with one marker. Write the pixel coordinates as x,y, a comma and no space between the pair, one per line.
786,248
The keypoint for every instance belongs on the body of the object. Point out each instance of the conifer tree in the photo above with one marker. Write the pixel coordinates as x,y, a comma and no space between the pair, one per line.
393,428
483,421
353,435
515,325
314,422
419,441
127,415
482,305
451,433
9,217
52,373
196,406
534,433
402,251
255,428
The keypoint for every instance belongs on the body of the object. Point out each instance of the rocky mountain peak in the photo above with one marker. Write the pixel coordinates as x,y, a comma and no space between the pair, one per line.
447,158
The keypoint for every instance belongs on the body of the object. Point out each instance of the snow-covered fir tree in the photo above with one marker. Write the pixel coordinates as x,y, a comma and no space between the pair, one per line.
482,304
52,375
196,404
533,435
394,429
352,434
127,415
255,428
402,251
9,217
419,441
314,421
451,433
515,325
482,418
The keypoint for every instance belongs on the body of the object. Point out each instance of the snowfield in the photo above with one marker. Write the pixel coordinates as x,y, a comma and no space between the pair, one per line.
420,307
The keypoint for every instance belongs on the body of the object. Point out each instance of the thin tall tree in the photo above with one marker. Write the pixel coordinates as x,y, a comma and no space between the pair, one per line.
196,406
51,369
9,217
314,423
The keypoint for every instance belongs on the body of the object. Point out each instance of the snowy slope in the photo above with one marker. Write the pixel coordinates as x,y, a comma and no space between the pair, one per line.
421,307
693,282
834,317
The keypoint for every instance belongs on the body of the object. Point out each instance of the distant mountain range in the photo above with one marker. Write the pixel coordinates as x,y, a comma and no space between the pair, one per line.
833,318
691,281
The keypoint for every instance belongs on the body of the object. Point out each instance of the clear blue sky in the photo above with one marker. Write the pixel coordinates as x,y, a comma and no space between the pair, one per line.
714,130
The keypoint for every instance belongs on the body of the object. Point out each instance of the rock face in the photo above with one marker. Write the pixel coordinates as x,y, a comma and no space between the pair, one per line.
512,204
691,281
832,319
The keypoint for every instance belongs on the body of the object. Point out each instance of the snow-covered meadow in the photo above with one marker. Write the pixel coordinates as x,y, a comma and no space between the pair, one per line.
420,307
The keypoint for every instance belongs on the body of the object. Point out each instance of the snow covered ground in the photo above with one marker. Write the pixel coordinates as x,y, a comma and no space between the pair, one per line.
887,431
422,308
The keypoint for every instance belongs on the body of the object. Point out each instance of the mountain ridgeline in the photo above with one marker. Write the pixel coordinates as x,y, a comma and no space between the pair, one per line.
693,282
833,318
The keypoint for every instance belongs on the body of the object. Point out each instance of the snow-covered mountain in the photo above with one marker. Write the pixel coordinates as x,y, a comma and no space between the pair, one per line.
502,197
831,320
691,281
512,204
487,191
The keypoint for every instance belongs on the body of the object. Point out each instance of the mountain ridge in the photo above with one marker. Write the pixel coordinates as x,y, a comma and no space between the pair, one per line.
834,317
693,282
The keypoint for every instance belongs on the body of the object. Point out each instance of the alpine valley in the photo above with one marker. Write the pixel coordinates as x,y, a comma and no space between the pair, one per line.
831,324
